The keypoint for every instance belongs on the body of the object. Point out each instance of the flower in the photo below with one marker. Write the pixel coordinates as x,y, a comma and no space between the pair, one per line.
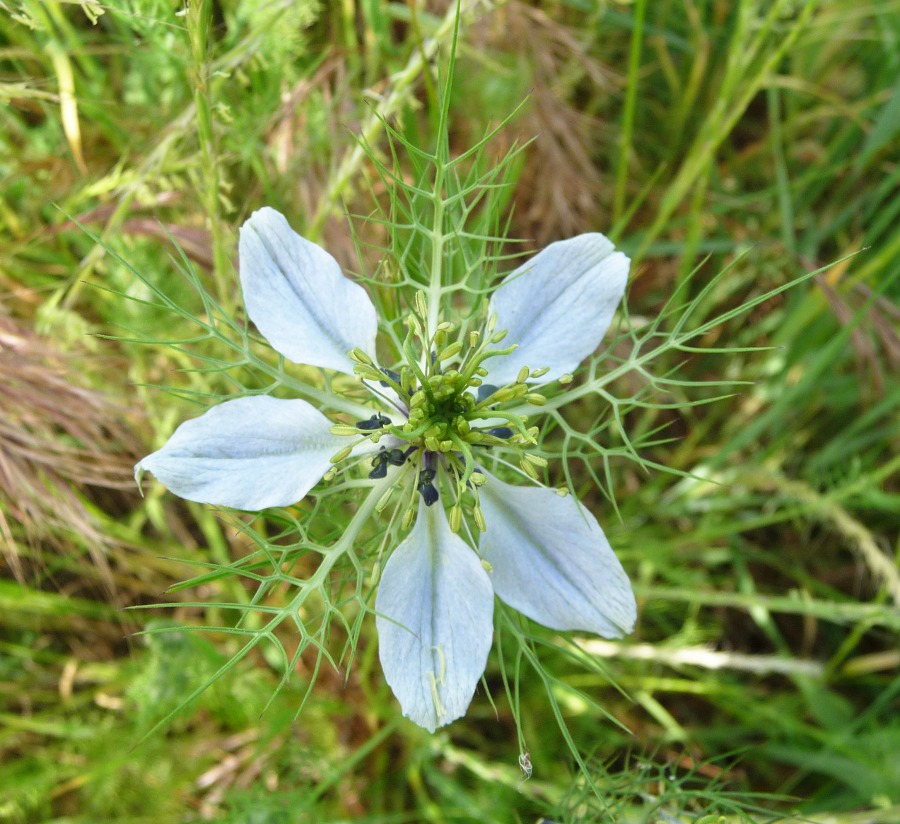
444,405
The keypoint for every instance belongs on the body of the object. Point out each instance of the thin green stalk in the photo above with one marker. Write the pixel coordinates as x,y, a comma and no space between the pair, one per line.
725,115
627,130
199,21
400,88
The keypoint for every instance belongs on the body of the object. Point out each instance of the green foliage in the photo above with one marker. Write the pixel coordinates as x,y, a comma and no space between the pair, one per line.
738,439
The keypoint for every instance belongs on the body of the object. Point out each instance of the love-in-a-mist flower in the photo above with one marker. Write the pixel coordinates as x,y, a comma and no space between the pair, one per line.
438,415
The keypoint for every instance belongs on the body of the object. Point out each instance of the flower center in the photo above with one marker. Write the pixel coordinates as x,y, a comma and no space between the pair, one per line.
448,415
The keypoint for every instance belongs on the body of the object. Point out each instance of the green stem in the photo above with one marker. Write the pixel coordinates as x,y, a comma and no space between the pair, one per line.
634,66
199,24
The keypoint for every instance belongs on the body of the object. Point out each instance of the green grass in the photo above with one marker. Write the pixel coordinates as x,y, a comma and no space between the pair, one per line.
755,140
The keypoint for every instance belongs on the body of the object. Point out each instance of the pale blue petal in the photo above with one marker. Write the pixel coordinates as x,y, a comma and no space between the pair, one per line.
435,611
298,298
558,306
552,562
248,453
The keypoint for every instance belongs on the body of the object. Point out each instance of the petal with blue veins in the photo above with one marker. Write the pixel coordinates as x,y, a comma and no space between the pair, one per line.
552,562
557,306
248,453
435,610
298,297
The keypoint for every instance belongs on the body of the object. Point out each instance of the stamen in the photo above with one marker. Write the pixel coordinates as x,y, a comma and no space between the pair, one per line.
379,470
394,377
377,421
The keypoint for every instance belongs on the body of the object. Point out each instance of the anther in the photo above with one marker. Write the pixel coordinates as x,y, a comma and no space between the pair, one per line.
379,469
340,455
343,429
394,376
528,469
359,356
429,494
453,349
421,305
478,515
375,422
395,457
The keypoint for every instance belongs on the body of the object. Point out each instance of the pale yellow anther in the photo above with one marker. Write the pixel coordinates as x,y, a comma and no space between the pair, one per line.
384,500
473,339
343,429
453,349
330,475
478,515
537,460
359,356
455,518
528,469
565,379
562,491
536,399
523,375
421,304
340,455
368,372
539,373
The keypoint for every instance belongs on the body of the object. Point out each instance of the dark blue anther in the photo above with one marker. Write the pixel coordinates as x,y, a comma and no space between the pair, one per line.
429,493
394,376
394,457
500,432
375,422
426,488
379,468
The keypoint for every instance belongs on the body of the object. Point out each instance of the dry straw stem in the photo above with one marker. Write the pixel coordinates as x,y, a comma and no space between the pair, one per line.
703,657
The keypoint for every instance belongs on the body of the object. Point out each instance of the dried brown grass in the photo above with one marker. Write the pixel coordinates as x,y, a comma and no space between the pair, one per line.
66,451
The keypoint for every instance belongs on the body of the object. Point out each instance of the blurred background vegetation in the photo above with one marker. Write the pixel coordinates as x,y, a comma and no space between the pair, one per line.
762,681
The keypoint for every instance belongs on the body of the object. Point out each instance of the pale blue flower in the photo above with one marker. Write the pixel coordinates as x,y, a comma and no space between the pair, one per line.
540,552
